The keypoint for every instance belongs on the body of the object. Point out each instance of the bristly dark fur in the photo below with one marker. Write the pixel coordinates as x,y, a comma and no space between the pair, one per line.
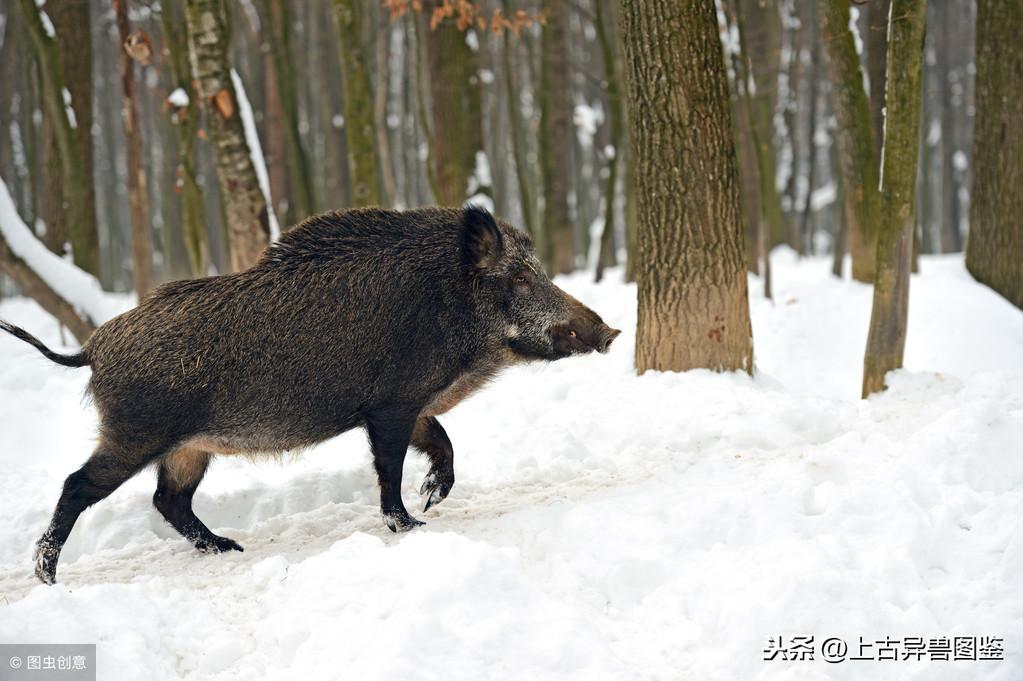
79,359
375,318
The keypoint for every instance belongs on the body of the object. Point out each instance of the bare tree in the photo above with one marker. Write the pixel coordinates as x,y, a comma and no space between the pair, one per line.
79,194
856,155
994,252
886,340
359,118
693,301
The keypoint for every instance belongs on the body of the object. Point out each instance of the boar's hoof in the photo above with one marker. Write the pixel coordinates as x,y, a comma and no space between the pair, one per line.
216,544
401,521
436,487
46,561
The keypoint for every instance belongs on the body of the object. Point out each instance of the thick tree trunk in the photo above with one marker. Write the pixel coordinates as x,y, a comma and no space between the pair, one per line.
245,209
362,152
455,131
62,113
887,338
302,201
186,119
693,302
556,139
138,201
856,157
381,92
994,250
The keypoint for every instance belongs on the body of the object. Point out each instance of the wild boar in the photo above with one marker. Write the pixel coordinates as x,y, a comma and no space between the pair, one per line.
375,318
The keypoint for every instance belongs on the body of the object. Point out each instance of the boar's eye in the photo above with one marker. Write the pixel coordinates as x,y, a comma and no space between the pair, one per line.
520,280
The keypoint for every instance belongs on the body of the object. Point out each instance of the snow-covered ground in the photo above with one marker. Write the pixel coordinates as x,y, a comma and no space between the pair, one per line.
603,525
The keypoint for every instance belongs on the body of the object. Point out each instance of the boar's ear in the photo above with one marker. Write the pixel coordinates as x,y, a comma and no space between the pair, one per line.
481,238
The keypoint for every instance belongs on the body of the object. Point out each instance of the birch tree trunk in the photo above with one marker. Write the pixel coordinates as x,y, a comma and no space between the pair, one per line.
693,302
245,209
856,156
994,250
887,338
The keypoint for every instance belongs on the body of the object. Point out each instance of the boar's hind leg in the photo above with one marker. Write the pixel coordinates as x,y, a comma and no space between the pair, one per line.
429,437
180,473
389,435
104,472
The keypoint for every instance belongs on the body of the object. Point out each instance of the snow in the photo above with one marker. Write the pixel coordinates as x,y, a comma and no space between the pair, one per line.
480,180
255,151
45,18
178,98
603,525
587,119
68,108
76,286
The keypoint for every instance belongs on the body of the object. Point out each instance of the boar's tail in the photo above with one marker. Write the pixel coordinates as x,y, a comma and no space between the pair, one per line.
80,359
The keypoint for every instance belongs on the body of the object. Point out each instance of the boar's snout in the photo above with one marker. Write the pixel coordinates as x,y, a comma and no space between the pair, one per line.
582,335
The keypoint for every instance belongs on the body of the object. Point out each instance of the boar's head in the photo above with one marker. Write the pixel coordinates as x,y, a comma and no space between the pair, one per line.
536,318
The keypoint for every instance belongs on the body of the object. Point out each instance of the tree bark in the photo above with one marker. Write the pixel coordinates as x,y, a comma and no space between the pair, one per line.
72,21
302,200
138,201
76,171
886,340
362,152
520,155
693,302
604,8
245,209
856,158
877,61
759,29
994,250
455,131
186,120
556,139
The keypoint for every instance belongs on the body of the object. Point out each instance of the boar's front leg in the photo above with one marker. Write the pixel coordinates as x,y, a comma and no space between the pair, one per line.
429,437
389,435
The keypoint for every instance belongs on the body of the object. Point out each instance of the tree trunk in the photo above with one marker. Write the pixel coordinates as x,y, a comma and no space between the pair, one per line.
62,112
759,27
245,209
877,60
362,152
452,90
693,302
856,158
301,200
604,8
138,201
994,250
887,338
381,91
186,119
556,139
512,81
